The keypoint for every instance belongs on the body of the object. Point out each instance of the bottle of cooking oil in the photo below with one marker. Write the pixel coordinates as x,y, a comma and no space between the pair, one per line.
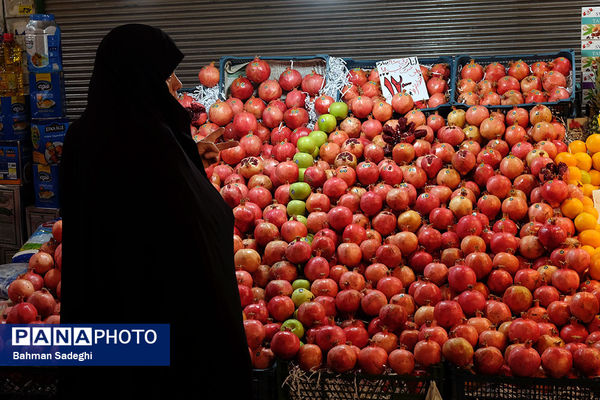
13,65
3,78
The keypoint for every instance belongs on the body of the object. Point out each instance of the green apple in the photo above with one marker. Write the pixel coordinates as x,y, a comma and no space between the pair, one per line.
294,326
304,160
319,137
339,109
306,144
300,218
296,207
301,295
301,284
327,123
301,174
310,237
316,152
299,190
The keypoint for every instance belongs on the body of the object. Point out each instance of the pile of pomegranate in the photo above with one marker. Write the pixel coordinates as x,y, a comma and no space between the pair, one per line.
515,83
391,240
35,295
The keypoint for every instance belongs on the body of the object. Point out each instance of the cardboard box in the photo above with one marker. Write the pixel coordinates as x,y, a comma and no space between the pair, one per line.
45,186
47,137
47,95
19,8
15,162
35,216
14,118
12,214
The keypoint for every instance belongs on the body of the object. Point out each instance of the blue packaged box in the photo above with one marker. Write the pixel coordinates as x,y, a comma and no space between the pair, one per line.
15,162
47,95
14,118
47,137
45,185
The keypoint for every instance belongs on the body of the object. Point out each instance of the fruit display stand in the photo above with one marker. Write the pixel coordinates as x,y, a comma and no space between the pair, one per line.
562,105
387,240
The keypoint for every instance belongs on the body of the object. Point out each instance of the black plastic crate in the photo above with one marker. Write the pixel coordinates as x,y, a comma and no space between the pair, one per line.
370,64
469,386
323,384
564,108
265,383
232,67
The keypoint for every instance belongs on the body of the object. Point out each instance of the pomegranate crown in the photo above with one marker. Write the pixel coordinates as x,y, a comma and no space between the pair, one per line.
404,132
554,171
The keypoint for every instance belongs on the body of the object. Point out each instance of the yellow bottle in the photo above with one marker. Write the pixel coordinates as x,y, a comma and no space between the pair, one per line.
13,65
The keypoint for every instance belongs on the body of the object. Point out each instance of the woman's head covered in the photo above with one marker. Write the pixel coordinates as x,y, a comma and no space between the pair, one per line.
132,62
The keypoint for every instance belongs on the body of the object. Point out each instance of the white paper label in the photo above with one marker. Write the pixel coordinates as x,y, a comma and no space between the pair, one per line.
402,74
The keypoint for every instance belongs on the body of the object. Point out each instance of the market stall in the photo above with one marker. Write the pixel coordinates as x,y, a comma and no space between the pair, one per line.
390,235
405,227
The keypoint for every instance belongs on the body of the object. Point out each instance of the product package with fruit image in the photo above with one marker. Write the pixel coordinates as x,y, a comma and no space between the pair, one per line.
45,184
47,137
590,23
47,95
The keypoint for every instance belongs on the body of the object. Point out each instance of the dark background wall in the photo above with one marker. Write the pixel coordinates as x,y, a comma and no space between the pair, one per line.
206,30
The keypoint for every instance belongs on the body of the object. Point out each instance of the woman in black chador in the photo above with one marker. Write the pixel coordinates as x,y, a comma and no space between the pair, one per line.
147,237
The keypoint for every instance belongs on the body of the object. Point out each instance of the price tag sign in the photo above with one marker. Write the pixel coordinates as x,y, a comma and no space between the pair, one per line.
402,74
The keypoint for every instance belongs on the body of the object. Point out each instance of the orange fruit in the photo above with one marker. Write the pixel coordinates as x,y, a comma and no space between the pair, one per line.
573,175
584,161
577,146
589,249
587,189
587,202
585,221
593,143
571,207
596,161
594,177
594,270
590,237
566,158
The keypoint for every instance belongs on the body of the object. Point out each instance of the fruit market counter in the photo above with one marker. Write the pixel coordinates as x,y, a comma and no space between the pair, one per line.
382,237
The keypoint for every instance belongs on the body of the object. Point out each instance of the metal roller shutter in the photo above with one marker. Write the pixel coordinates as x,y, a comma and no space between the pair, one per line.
206,30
